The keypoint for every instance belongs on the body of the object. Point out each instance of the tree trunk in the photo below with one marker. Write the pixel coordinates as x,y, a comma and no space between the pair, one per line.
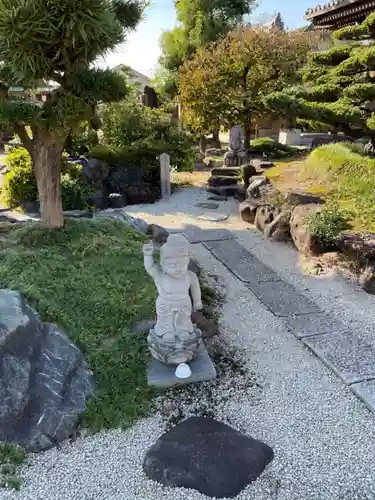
203,145
247,134
216,138
46,156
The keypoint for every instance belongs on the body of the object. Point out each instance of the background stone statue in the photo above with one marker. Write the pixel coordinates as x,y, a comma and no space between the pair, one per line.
174,340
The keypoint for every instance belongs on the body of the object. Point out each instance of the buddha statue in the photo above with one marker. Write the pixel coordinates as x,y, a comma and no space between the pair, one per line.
174,340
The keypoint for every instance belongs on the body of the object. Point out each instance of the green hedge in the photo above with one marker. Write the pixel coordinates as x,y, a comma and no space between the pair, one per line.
20,184
145,133
270,148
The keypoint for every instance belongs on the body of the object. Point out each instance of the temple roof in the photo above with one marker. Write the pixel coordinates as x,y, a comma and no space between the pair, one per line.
330,6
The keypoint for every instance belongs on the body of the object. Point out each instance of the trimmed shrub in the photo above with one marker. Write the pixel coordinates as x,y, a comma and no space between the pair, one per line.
270,147
20,184
146,133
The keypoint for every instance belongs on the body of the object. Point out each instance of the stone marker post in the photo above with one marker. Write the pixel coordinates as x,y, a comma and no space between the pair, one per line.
165,175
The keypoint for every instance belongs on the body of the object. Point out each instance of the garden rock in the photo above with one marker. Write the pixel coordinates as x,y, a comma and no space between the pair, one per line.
296,198
44,380
260,164
97,201
95,171
300,232
248,209
208,456
78,214
139,225
279,228
256,182
222,181
367,279
158,234
247,172
141,193
264,216
117,200
358,246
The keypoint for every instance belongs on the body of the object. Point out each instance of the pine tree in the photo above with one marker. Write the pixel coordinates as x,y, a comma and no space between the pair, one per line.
58,40
338,85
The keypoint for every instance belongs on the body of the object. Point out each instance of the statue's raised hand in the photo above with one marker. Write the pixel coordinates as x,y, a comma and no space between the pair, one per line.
148,248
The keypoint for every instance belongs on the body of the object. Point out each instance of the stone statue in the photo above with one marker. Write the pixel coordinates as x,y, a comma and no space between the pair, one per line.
174,340
235,156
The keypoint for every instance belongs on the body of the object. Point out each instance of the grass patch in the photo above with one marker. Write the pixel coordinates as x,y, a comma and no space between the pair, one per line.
349,179
11,457
89,279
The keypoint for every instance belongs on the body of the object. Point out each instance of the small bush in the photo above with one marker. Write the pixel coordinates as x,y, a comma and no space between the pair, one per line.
146,133
327,225
20,184
270,147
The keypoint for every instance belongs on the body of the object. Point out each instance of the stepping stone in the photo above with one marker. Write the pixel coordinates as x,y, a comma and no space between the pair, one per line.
350,357
240,262
163,376
282,298
207,456
197,235
314,324
214,217
366,392
211,206
216,197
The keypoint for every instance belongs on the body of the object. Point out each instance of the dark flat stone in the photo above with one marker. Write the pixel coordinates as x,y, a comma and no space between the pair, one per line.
366,392
163,376
282,298
240,262
216,197
197,235
208,456
350,357
314,324
211,206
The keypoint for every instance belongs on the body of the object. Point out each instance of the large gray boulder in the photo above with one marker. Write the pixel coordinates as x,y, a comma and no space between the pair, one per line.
44,380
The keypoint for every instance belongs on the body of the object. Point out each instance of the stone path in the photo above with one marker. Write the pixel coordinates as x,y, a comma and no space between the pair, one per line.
335,344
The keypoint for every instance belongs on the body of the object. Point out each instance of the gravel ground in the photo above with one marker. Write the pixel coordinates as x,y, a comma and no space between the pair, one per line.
322,435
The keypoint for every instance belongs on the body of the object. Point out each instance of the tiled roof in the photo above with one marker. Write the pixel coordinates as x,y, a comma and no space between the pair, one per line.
335,4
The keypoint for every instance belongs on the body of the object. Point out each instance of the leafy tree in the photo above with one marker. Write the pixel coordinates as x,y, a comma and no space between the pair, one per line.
58,40
199,22
225,82
338,87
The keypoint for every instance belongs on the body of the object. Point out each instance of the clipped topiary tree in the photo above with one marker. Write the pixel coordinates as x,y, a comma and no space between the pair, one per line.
338,86
59,41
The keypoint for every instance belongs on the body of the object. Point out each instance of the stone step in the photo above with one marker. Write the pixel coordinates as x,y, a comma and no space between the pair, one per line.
222,181
226,172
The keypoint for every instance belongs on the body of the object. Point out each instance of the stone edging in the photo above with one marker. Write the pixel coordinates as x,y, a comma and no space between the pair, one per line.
334,343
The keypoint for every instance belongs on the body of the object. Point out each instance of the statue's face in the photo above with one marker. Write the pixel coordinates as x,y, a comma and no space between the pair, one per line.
176,267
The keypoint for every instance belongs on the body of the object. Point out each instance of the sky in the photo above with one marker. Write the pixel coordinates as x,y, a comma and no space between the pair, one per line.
141,51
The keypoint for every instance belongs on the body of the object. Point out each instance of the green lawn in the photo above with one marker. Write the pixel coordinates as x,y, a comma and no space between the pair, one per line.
89,279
